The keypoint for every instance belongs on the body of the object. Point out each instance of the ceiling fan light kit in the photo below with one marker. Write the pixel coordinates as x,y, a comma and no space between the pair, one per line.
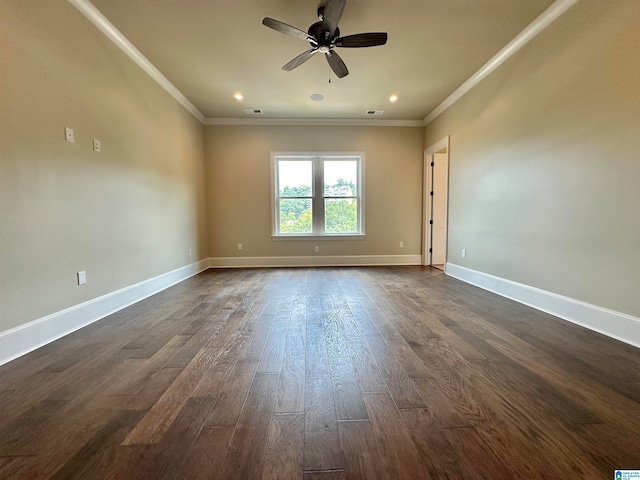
323,36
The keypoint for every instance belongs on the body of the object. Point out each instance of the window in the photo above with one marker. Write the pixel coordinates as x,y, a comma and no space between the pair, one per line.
317,194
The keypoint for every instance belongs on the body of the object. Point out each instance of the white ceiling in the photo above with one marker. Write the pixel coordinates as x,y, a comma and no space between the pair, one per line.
212,49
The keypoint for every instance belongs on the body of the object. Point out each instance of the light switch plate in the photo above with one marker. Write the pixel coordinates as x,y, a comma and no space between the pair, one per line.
82,278
68,135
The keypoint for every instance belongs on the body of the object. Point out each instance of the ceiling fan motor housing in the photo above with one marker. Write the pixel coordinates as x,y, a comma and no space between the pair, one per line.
322,36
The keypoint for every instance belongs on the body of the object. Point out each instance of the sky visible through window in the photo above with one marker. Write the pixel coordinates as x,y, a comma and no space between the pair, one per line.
334,171
294,174
298,173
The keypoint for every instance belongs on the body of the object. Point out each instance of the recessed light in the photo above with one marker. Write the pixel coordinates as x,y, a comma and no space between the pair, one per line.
393,98
238,96
317,97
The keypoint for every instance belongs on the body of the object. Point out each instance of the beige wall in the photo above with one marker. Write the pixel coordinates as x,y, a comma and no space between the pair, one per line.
238,188
125,215
545,171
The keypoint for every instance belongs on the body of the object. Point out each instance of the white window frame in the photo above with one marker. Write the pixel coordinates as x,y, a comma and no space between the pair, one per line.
317,193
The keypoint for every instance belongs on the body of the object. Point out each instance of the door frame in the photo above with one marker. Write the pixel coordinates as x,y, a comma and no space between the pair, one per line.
428,200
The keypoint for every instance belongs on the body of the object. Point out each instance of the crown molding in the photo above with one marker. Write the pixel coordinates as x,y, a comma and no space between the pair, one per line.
112,33
314,122
545,19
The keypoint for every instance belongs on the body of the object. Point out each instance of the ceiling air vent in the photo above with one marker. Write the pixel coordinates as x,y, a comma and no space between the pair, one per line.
253,111
375,112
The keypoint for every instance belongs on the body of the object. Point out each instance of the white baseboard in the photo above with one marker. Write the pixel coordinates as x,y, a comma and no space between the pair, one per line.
25,338
316,261
620,326
28,337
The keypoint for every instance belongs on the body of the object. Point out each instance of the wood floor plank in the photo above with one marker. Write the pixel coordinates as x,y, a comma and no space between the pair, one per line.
333,475
347,395
514,376
450,409
92,454
321,439
530,440
157,421
172,456
365,367
14,429
155,386
317,360
231,400
245,459
400,386
476,458
625,453
437,455
396,446
363,458
10,467
218,374
208,453
283,457
271,360
290,397
606,403
337,345
136,372
52,443
236,387
61,364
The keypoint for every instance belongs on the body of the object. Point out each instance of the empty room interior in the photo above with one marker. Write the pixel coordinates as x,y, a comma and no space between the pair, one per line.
224,256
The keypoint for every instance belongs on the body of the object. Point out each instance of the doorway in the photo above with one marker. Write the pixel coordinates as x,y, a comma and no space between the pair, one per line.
436,204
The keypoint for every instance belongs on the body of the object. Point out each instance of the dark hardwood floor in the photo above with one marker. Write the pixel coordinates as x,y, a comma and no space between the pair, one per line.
323,374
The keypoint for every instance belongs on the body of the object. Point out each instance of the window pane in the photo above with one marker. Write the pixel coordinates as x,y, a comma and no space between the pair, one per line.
295,216
341,215
340,178
294,178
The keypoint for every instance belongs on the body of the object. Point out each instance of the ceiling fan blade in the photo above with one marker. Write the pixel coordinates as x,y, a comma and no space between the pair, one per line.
336,64
332,12
282,27
362,40
299,60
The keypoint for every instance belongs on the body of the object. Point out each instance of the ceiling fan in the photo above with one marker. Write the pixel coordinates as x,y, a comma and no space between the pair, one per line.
324,36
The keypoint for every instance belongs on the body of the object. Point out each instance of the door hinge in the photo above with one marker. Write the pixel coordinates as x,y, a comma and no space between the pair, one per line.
431,193
433,164
431,250
430,222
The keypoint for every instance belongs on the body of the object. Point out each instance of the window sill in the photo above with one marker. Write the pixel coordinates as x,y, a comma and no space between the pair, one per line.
354,236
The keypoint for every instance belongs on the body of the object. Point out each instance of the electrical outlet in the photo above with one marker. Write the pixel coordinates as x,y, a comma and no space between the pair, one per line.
464,253
316,249
68,135
239,246
401,245
96,145
82,278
